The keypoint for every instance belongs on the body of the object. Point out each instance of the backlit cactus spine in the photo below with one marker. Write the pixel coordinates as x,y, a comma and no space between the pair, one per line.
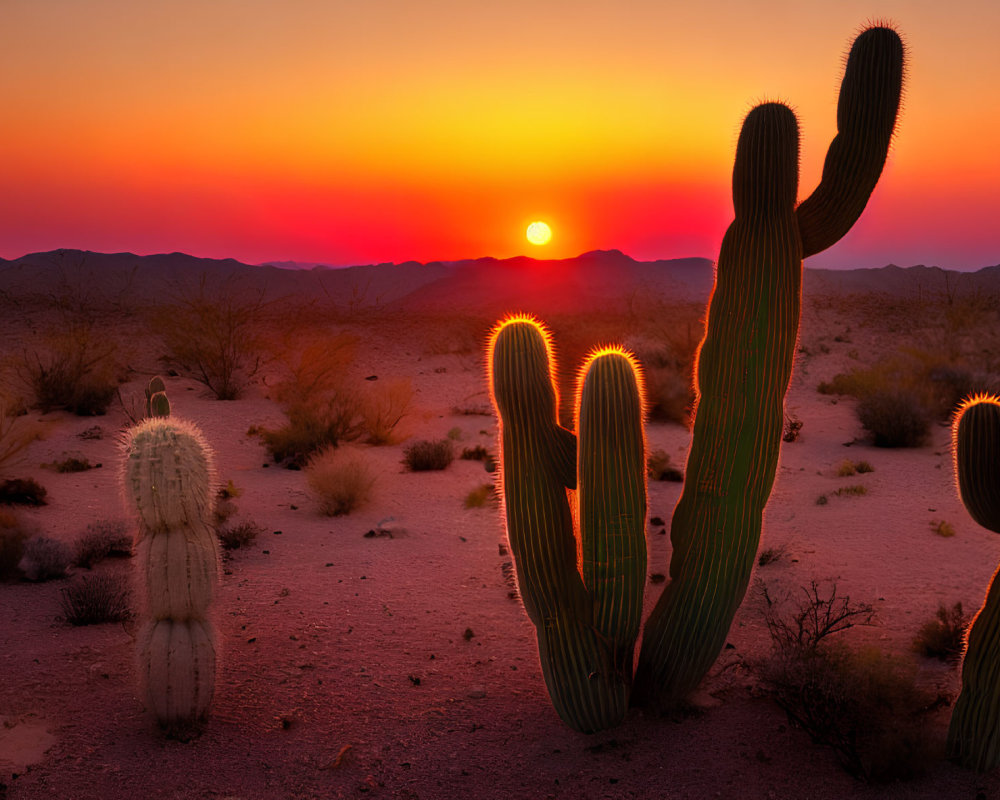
744,362
974,733
167,479
587,614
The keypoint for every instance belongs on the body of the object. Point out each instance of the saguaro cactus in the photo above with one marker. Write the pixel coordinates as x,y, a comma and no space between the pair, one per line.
745,360
167,478
743,368
974,733
588,615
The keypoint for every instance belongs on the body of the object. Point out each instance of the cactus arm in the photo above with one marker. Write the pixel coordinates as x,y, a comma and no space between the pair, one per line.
866,118
974,732
743,368
612,500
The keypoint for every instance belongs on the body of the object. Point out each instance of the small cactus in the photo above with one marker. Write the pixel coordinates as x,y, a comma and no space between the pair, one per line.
974,733
168,477
587,617
156,408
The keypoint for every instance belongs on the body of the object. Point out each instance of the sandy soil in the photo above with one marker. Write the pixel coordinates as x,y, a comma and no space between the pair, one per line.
400,666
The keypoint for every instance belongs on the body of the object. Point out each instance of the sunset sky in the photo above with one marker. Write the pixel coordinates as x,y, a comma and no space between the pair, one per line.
361,131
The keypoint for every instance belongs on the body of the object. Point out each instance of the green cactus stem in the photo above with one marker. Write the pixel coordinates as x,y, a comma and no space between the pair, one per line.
586,622
168,477
745,360
974,732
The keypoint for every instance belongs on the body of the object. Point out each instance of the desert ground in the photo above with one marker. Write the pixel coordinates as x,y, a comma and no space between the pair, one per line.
383,653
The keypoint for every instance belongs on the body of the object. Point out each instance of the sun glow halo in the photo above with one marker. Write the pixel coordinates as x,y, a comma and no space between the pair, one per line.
539,233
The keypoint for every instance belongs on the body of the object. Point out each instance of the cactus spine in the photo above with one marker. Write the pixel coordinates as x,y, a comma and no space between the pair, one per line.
587,617
974,733
167,478
743,369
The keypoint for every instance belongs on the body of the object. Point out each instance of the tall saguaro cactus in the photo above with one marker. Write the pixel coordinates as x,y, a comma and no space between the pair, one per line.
743,369
167,478
587,616
974,733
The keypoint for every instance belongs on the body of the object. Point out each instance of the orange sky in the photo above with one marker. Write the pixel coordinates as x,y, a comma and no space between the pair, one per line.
344,132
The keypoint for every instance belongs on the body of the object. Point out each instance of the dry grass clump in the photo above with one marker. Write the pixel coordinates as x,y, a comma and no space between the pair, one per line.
342,480
45,558
97,599
425,456
771,555
483,495
863,703
944,636
102,539
856,490
238,535
943,528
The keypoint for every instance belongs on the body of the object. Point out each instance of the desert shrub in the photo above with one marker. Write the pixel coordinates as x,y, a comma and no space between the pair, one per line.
341,480
312,426
22,492
71,464
863,703
477,453
16,432
425,455
384,408
96,599
481,495
238,535
659,468
846,469
943,528
771,555
75,371
894,418
863,467
669,394
455,434
944,636
45,558
12,538
102,539
213,334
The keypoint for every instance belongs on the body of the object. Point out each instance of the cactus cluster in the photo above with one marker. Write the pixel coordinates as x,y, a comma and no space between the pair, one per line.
743,368
167,479
587,615
974,733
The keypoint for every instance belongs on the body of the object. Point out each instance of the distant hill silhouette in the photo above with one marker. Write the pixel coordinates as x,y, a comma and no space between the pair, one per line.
598,280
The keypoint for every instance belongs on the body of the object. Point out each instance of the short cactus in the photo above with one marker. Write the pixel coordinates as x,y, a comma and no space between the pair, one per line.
743,370
167,478
587,616
974,733
156,407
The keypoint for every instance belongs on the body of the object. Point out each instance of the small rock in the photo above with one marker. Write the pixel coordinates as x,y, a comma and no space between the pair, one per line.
656,521
477,693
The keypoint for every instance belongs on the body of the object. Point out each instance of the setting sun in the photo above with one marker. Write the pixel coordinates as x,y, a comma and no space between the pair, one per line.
539,233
